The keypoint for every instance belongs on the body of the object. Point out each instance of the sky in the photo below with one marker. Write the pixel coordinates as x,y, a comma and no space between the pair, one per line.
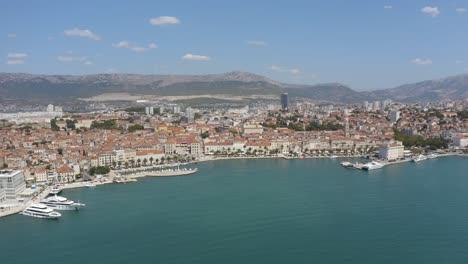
367,44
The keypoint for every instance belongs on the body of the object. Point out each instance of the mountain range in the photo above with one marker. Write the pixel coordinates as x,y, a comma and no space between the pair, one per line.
36,87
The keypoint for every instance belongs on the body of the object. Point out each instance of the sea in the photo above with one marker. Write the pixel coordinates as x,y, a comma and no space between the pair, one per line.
259,211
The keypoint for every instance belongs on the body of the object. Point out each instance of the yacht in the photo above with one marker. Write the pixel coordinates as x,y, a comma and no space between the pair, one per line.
61,203
40,211
373,165
419,158
56,190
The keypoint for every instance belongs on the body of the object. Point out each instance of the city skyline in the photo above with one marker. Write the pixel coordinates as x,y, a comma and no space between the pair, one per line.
366,46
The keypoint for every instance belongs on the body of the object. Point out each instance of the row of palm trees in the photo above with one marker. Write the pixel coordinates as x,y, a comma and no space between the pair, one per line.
132,163
355,151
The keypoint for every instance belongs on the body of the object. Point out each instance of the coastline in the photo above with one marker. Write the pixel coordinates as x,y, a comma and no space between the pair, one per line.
169,173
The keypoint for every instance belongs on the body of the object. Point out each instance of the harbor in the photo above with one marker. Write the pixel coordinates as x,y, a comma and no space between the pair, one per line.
231,205
115,177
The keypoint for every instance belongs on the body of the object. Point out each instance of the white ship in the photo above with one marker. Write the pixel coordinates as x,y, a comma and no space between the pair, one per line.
373,165
61,203
40,211
419,158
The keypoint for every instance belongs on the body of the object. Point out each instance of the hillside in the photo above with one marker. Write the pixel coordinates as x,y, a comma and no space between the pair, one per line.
16,86
454,87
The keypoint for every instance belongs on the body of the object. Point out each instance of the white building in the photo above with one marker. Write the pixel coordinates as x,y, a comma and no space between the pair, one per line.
50,108
252,128
190,113
12,182
460,141
394,116
2,195
149,110
391,151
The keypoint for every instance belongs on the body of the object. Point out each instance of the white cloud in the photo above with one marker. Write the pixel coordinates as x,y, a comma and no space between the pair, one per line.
164,20
85,33
293,71
422,62
387,7
138,49
71,59
431,10
11,35
88,63
121,44
15,62
17,55
256,42
127,45
189,56
460,10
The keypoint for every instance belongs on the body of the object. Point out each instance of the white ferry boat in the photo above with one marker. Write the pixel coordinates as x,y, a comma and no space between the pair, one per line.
40,211
419,158
61,203
373,165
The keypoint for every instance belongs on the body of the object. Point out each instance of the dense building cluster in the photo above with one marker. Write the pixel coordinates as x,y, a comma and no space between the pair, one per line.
67,146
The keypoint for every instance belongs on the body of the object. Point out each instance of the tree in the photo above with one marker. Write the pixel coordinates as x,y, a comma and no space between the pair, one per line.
205,134
99,170
60,151
70,123
53,125
151,160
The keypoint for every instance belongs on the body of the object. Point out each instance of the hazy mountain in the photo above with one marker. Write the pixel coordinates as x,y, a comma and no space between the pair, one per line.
453,87
330,92
42,87
14,85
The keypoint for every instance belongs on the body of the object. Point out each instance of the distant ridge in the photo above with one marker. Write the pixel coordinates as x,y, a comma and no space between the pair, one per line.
237,83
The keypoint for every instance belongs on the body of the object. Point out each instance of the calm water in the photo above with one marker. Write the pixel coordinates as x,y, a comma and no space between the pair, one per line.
259,211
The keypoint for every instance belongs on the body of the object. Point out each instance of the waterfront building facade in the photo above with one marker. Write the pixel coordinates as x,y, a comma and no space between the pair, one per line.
13,183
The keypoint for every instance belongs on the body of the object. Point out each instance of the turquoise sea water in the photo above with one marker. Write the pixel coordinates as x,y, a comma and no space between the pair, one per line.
259,211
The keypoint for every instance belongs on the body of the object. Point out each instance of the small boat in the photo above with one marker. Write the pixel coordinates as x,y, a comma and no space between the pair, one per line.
41,211
347,164
56,190
419,158
432,156
333,157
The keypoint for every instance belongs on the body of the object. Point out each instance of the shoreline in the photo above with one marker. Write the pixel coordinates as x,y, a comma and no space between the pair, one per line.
7,211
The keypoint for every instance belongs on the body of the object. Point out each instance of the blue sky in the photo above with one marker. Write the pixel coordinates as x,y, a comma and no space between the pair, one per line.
368,44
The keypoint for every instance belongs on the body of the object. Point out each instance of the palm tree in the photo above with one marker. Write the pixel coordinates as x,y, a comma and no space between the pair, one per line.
151,160
145,160
138,161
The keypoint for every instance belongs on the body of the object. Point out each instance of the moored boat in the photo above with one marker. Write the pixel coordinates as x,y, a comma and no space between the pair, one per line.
61,203
419,158
41,211
373,165
56,190
347,164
